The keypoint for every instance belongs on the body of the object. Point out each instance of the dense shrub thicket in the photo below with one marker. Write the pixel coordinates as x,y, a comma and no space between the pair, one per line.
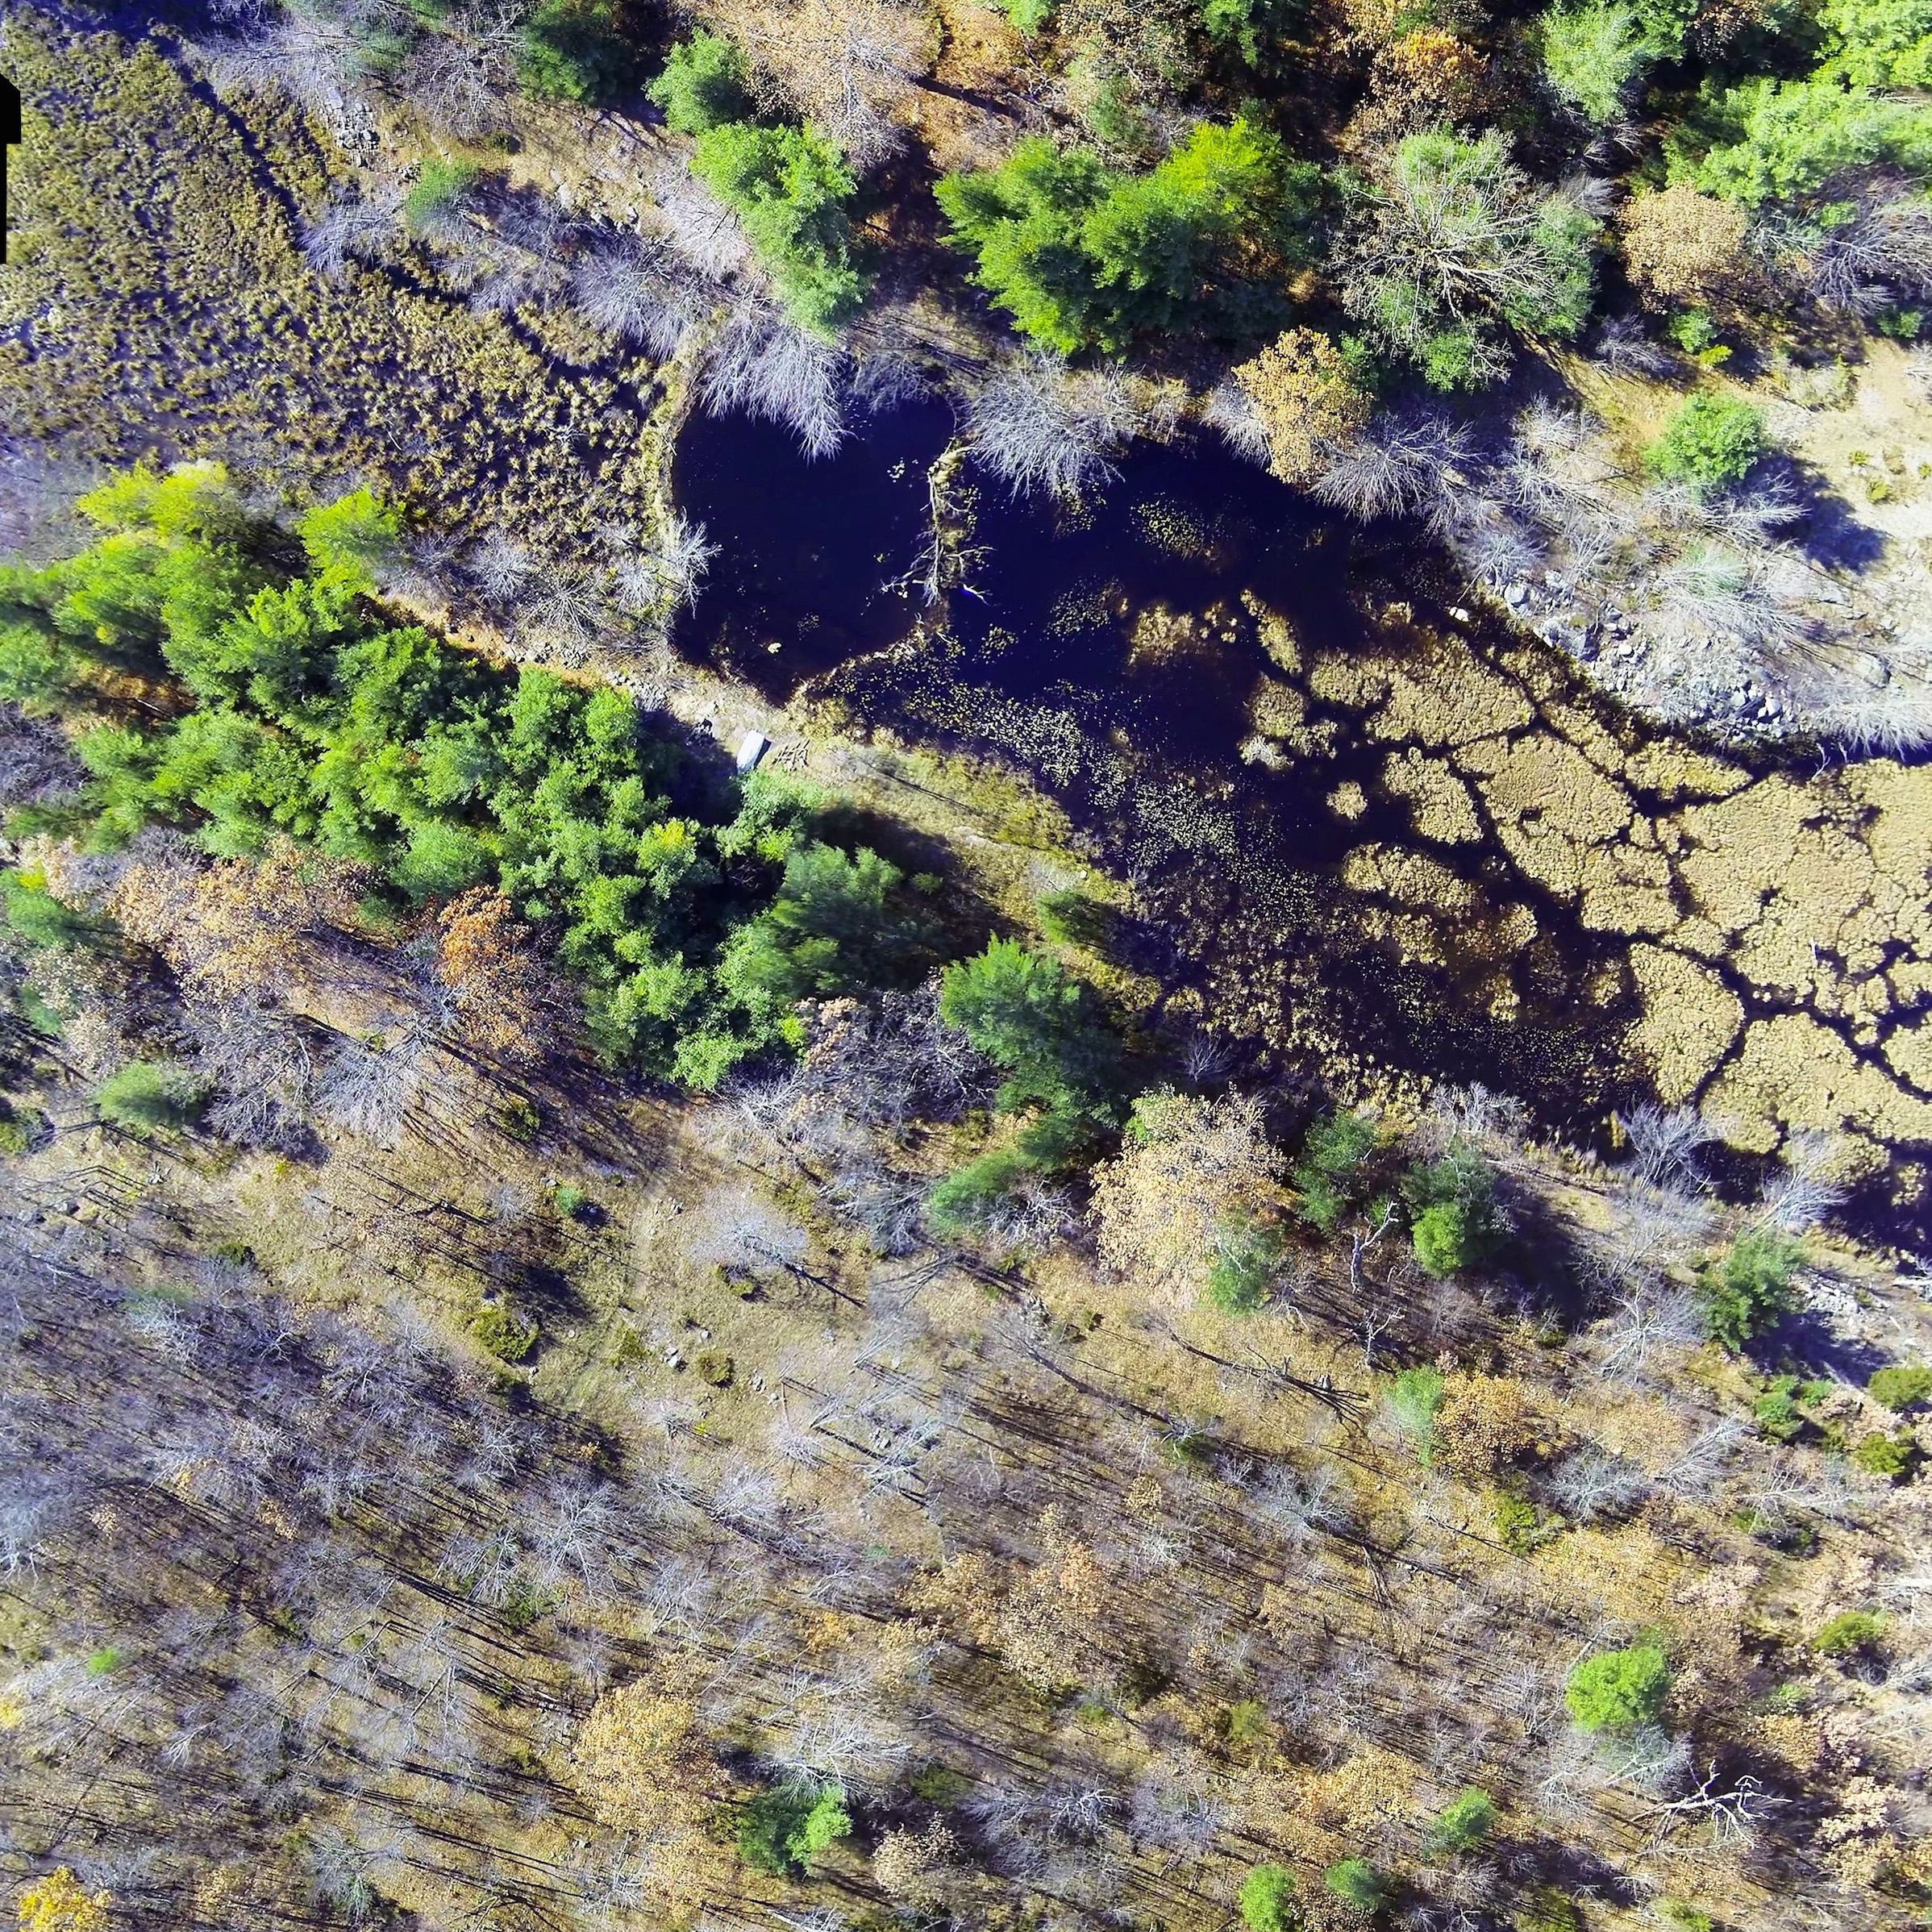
693,916
1085,255
789,183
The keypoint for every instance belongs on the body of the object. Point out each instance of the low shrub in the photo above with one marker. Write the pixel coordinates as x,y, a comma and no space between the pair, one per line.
791,188
704,85
508,1336
38,917
785,1830
1244,1724
1746,1291
1901,1387
439,185
152,1097
1892,1456
17,1127
1267,1899
1452,1204
573,50
1593,55
1465,1822
1073,919
1681,1914
1328,1176
1712,441
1412,1402
1618,1690
1357,1882
969,1198
1850,1634
1246,1263
1520,1527
1778,1411
1548,1910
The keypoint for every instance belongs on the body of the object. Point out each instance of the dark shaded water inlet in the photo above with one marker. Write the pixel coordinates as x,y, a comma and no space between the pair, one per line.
1061,657
807,577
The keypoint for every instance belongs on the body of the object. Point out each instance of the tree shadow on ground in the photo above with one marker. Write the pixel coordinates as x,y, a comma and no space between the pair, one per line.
1827,531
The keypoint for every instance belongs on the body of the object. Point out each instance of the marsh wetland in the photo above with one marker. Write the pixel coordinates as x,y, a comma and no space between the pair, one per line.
1375,820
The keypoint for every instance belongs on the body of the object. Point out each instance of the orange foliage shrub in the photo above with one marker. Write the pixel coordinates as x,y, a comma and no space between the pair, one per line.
642,1766
1486,1424
1681,245
488,961
232,930
1186,1167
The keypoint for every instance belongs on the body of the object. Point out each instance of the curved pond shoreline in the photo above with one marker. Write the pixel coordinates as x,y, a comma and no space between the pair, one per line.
1366,826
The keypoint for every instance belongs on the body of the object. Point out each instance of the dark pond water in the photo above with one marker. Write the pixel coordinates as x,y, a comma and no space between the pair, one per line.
1047,660
808,580
803,579
812,552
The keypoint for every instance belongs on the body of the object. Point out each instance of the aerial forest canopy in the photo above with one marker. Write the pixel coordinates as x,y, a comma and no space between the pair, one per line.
280,700
1239,1249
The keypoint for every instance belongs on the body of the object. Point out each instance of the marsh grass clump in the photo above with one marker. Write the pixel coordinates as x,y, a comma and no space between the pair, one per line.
152,1097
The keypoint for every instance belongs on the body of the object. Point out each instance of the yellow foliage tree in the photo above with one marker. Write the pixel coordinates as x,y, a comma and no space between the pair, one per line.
642,1764
60,1903
1425,78
1682,246
1309,407
1487,1423
1048,1621
1188,1166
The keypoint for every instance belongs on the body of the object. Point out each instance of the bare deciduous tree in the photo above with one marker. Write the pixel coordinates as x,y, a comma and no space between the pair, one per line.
849,66
368,1089
1401,466
761,363
672,571
461,75
1042,428
633,288
1593,1483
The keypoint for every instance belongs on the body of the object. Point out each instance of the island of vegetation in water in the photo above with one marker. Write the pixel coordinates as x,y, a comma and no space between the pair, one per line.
1134,1135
